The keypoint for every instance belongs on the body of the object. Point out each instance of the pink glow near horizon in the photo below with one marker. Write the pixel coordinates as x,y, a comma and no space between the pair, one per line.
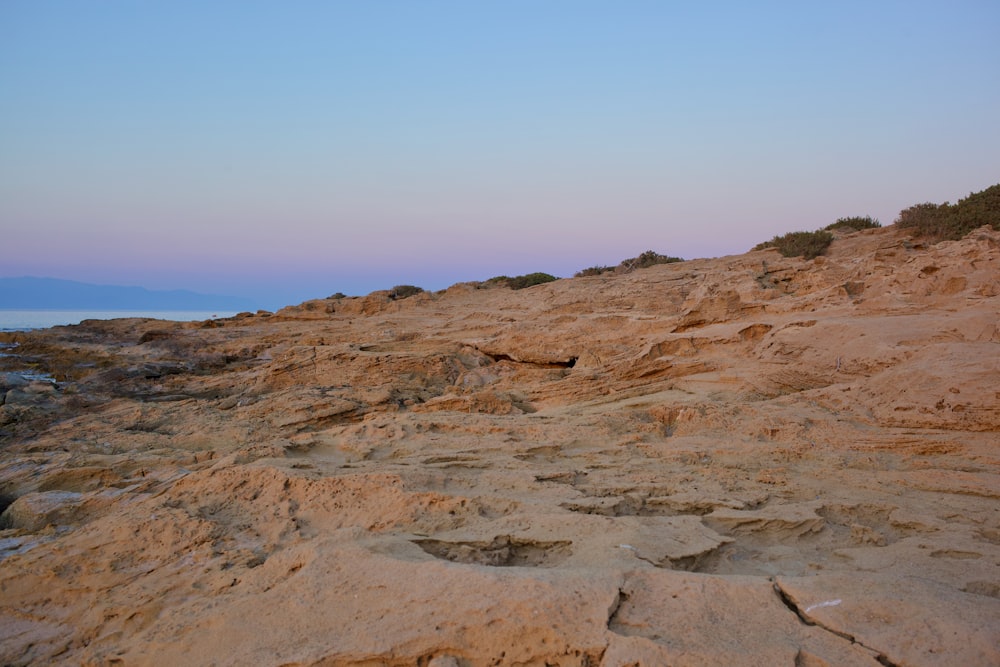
347,149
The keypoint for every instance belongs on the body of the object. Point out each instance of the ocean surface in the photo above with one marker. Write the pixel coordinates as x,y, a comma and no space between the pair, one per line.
23,320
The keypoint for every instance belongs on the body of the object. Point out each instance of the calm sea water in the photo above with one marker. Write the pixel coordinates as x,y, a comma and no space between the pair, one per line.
20,320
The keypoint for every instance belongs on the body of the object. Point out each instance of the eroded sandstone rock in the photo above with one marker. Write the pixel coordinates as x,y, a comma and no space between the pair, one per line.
745,460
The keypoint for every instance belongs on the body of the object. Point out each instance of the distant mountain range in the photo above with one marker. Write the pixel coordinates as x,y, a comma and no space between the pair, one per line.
52,294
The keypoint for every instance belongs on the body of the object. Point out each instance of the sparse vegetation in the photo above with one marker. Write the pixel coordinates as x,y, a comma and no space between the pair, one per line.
855,222
518,282
935,221
496,281
643,261
941,222
646,260
404,291
593,271
529,280
938,222
808,245
338,295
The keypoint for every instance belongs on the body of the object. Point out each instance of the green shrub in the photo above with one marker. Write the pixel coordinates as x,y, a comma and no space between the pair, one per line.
403,291
643,261
980,208
924,219
529,280
646,260
593,271
856,222
941,222
800,244
495,281
517,282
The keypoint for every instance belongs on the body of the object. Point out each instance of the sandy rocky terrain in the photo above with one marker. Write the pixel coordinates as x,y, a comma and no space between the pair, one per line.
748,460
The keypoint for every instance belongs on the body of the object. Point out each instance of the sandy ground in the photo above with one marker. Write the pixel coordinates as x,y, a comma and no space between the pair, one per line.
746,460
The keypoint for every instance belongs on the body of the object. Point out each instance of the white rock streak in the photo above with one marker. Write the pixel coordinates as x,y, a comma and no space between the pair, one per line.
819,605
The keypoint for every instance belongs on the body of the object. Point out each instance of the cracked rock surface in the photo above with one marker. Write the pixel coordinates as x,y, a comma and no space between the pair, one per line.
748,460
869,610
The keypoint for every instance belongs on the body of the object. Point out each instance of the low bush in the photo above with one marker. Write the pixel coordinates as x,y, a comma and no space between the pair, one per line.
800,244
593,271
646,260
529,280
943,222
495,281
517,282
855,222
643,261
403,291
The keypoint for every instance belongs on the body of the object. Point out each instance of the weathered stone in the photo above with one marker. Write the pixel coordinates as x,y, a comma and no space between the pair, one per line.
34,511
745,460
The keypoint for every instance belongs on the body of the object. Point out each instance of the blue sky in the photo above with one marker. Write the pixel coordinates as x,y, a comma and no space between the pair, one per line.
290,150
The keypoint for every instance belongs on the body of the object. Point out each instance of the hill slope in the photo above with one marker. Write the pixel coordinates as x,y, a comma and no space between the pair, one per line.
749,459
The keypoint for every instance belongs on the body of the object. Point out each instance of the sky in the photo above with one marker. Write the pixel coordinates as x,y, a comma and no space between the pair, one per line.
290,150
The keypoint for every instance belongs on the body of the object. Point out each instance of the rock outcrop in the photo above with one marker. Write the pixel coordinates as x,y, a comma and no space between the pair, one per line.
748,460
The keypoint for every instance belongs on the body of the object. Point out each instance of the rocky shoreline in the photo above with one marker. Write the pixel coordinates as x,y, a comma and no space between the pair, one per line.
743,460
